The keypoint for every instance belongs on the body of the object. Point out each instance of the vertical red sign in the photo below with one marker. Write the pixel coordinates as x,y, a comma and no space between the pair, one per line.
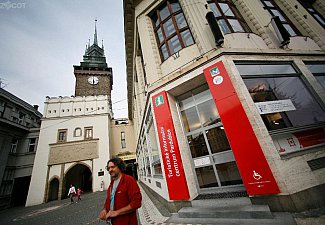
254,169
174,172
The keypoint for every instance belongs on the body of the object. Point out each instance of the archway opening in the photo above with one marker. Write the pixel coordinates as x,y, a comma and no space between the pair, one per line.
54,190
80,176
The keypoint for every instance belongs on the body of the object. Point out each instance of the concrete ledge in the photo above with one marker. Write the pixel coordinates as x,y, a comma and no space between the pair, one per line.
311,198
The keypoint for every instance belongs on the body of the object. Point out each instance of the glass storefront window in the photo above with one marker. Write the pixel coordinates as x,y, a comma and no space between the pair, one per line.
318,70
197,145
279,86
284,101
156,164
190,119
208,114
217,140
206,177
229,174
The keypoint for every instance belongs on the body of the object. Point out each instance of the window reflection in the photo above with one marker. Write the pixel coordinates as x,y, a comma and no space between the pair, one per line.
197,145
206,177
208,113
318,70
228,174
174,45
267,89
190,119
217,140
169,27
187,38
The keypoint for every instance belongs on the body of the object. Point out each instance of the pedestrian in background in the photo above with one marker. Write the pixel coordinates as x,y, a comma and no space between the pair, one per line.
79,191
72,192
123,196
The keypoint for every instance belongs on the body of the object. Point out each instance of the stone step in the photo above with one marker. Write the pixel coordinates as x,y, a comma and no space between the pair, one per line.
278,219
219,202
240,212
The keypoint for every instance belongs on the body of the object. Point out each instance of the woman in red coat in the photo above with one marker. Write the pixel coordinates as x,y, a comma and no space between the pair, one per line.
123,196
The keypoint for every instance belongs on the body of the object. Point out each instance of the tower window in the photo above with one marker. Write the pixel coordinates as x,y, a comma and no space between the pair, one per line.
77,132
62,135
88,132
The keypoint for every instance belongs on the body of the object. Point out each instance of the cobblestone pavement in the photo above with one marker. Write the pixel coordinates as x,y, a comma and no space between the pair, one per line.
86,212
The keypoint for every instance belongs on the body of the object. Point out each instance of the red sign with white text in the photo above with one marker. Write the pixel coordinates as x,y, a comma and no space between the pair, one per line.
174,172
253,167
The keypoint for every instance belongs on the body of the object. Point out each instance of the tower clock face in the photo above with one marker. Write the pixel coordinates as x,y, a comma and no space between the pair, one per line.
93,80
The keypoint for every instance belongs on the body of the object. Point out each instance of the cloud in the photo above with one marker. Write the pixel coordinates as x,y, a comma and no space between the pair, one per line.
40,43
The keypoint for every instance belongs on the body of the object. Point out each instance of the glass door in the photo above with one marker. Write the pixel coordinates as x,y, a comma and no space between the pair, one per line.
212,156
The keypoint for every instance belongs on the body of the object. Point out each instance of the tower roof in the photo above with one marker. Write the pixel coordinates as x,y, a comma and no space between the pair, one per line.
94,55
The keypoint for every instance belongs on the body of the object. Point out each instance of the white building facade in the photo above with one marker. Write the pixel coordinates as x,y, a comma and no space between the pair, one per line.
227,97
74,142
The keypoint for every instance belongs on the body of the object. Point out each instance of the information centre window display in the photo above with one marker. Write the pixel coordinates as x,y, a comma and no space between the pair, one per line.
148,152
288,108
211,153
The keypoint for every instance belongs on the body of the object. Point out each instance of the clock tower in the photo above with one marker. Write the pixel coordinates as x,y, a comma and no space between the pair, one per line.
93,76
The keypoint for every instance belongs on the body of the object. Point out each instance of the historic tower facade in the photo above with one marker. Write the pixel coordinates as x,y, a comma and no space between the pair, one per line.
74,141
93,76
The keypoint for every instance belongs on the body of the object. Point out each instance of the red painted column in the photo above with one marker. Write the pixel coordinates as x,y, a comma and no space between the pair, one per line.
253,167
173,166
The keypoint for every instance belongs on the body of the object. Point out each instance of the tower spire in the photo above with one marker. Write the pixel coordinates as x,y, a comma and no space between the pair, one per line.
95,35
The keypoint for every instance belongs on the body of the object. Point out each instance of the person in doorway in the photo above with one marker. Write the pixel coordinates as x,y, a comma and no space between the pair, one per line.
123,196
79,191
72,192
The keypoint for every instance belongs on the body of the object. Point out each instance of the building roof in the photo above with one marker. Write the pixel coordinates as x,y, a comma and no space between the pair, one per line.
10,97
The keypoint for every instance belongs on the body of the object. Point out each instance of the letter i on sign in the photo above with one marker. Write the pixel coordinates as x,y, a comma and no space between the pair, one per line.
159,100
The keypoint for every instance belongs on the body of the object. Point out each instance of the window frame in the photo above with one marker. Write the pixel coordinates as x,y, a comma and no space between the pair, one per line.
88,133
63,131
287,20
177,33
237,16
308,5
30,144
13,146
75,132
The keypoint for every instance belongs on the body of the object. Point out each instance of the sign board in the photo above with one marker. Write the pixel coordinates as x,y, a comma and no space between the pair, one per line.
173,166
253,167
297,141
202,162
275,106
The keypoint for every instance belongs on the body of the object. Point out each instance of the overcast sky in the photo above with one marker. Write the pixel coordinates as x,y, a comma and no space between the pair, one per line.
41,40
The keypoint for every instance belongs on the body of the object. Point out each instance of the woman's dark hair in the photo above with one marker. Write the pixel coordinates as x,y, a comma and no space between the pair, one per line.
119,163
